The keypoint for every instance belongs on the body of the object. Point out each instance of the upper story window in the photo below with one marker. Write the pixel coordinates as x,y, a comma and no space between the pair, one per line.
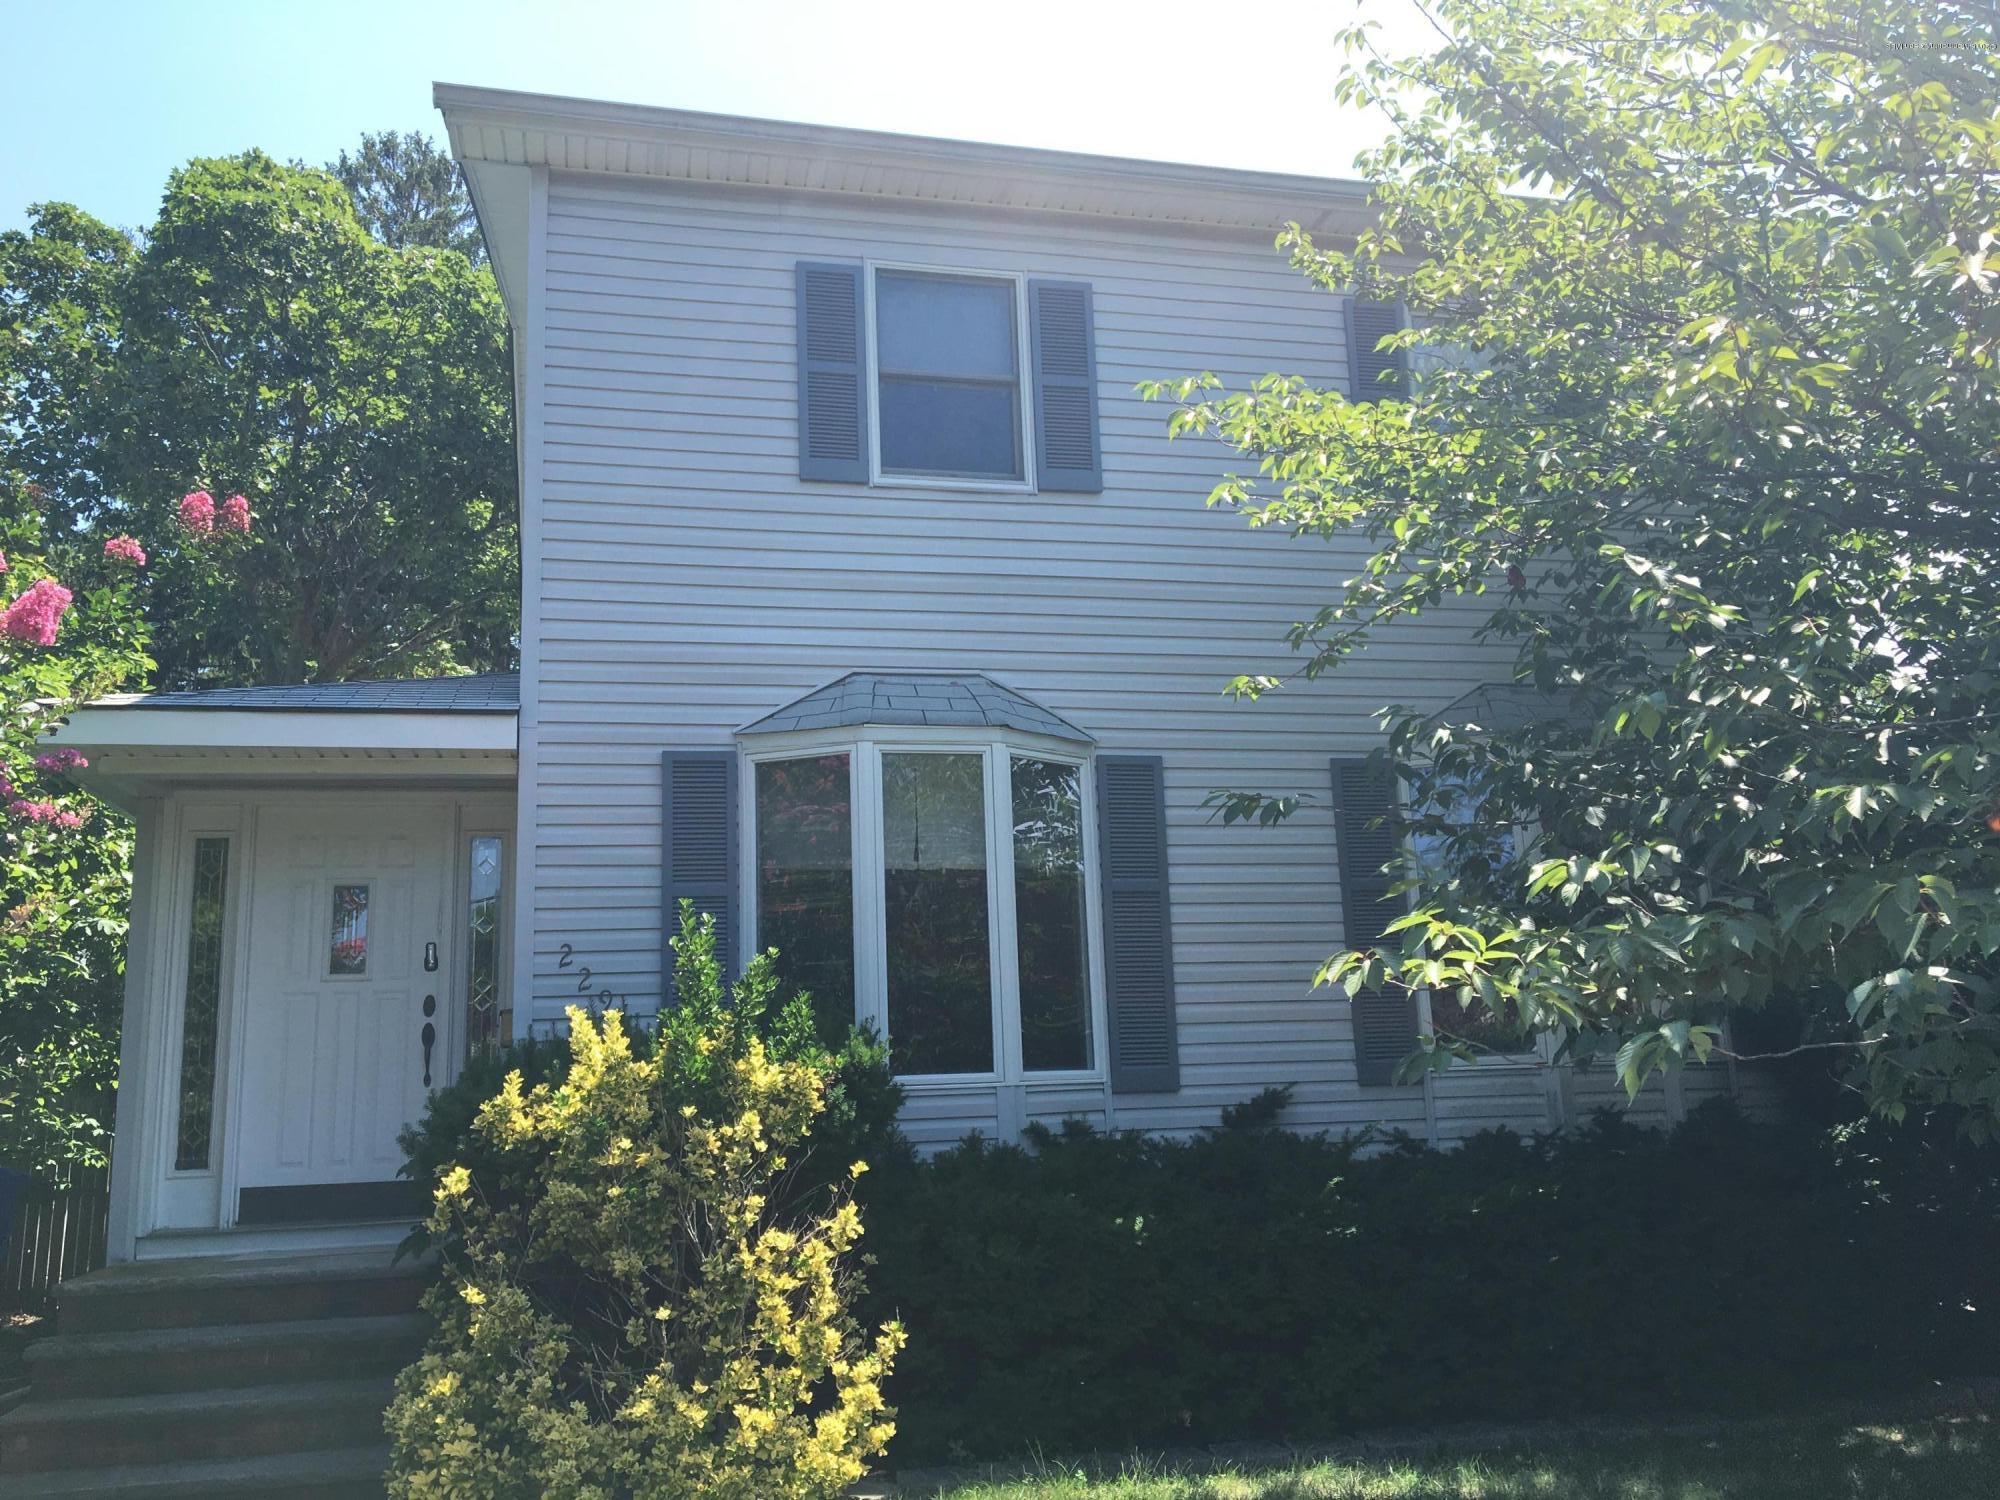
916,375
948,362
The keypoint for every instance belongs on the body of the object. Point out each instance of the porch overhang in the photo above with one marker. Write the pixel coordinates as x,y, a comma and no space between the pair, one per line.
137,745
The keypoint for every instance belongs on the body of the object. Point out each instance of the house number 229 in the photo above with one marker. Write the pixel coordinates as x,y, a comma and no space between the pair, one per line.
603,999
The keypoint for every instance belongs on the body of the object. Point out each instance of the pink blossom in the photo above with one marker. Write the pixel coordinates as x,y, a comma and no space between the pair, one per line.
37,615
6,787
198,513
47,812
3,562
127,548
235,515
58,762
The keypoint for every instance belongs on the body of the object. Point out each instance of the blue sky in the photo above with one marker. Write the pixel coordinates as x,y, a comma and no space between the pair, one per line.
104,97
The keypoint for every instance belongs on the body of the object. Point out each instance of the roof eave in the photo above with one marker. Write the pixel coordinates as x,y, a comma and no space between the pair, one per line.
589,135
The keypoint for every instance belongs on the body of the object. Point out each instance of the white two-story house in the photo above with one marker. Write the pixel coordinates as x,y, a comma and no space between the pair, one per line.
865,603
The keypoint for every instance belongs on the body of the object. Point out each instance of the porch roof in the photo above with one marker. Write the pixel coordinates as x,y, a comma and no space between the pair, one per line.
487,692
460,727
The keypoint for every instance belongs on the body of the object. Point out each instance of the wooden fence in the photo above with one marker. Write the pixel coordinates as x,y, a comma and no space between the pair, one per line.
59,1232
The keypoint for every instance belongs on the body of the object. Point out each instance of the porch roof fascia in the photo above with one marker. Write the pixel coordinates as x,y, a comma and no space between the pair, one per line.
137,727
131,747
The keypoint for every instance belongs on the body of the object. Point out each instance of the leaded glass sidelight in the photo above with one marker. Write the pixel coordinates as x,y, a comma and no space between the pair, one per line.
487,1025
201,1004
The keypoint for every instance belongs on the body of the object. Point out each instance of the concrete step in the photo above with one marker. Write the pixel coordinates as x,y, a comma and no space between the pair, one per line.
201,1293
158,1428
329,1474
239,1354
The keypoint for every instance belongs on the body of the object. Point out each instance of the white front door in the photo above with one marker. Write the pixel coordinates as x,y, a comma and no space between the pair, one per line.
347,1004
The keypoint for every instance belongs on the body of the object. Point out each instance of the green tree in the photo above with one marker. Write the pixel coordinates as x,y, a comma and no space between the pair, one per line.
408,194
261,343
255,342
70,628
1705,332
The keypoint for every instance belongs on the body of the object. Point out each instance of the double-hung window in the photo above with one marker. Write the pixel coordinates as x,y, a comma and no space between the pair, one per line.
926,375
948,362
935,889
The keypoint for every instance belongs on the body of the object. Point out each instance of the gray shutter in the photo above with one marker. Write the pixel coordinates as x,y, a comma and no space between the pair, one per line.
698,850
1364,809
833,396
1138,924
1063,347
1378,373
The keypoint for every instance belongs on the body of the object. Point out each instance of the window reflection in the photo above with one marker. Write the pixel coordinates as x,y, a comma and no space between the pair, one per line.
1049,915
201,1005
350,931
934,888
805,882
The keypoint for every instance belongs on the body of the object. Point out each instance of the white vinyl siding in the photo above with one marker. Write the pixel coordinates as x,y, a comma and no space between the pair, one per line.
688,583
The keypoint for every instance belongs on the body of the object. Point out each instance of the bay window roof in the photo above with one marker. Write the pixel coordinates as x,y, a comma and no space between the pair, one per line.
962,700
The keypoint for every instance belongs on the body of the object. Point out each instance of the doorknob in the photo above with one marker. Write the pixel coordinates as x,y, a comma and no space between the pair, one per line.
429,1035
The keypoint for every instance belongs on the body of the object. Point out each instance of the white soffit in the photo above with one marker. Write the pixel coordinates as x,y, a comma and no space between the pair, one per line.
502,126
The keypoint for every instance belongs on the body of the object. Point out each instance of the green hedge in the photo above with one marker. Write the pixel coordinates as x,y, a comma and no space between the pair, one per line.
1101,1292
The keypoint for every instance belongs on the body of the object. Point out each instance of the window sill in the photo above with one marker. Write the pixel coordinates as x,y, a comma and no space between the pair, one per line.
970,486
1503,1061
937,1083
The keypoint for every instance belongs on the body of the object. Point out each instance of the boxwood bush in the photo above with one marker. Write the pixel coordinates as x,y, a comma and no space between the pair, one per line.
1090,1291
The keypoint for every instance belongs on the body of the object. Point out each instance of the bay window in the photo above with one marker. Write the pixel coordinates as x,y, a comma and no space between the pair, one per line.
933,887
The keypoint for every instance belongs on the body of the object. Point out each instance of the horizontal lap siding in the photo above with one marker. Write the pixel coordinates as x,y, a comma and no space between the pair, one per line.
691,583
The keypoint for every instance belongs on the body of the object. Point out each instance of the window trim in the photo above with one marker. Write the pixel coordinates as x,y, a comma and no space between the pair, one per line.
864,746
1025,382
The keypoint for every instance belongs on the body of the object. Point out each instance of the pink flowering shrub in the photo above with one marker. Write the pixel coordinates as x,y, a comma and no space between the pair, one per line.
64,871
198,513
36,616
45,812
201,517
3,562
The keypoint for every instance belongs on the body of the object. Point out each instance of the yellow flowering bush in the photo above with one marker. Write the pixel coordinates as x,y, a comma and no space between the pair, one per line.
633,1302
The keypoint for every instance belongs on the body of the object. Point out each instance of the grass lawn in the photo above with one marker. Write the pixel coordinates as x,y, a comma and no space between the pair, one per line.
1935,1457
